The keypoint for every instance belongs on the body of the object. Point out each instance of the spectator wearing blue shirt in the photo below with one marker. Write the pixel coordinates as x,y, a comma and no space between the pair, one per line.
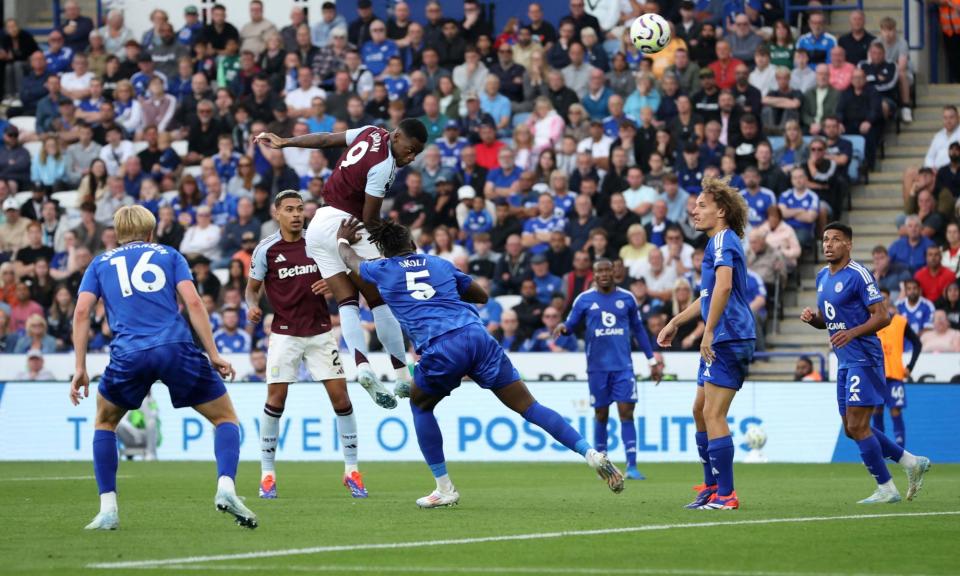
800,207
33,87
226,160
377,51
611,124
258,362
495,104
58,56
478,219
911,249
690,171
319,120
536,231
817,42
675,198
193,28
396,82
542,339
596,99
450,145
500,180
759,199
230,339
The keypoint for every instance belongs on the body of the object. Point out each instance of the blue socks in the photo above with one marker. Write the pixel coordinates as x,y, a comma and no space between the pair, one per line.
105,460
872,455
628,431
708,478
899,430
878,421
721,451
556,426
430,440
888,447
600,435
226,447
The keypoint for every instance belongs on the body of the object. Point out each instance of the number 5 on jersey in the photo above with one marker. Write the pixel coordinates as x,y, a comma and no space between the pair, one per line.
136,280
420,290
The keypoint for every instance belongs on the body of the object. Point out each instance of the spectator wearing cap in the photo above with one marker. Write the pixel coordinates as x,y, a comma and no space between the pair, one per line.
470,173
192,27
547,283
147,72
13,230
35,371
219,31
451,144
501,179
14,161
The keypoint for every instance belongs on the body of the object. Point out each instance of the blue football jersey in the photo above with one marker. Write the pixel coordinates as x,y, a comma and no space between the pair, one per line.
844,299
138,284
612,320
758,204
919,316
423,291
736,323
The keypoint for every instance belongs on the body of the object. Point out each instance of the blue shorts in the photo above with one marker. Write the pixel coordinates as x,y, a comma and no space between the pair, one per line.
186,372
896,394
467,351
609,387
730,365
860,386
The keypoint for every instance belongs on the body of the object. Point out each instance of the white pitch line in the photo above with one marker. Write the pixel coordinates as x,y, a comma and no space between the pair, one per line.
512,570
487,539
44,478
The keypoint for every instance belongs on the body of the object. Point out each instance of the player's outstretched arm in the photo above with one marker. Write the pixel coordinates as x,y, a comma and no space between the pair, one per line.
315,140
200,321
812,318
665,338
81,338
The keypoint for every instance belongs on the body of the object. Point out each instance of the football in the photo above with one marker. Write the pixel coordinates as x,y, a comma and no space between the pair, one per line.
755,437
650,33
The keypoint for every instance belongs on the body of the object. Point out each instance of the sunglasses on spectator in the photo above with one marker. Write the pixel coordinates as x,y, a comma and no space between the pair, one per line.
817,148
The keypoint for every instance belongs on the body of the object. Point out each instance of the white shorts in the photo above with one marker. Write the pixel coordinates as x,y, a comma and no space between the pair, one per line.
322,244
320,353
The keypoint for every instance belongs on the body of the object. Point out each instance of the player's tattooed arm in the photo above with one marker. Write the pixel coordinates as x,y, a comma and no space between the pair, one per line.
315,140
812,318
350,232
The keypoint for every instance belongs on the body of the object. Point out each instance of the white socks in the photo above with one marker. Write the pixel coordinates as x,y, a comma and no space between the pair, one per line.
351,330
347,428
444,484
226,484
269,431
108,502
908,460
889,486
390,333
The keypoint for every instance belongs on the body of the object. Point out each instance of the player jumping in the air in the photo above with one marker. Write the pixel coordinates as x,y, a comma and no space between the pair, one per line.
364,173
726,349
891,339
431,299
851,309
300,333
139,283
613,320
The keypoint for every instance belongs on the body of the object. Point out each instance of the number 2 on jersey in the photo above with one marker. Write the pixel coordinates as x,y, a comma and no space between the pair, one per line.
420,290
136,281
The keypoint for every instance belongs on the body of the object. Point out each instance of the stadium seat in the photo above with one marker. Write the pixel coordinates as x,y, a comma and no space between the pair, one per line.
169,196
22,197
139,146
222,274
519,119
180,147
508,301
194,171
33,147
24,123
67,199
856,162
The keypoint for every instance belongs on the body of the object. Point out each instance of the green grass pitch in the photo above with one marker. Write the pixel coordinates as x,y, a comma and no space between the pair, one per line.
167,513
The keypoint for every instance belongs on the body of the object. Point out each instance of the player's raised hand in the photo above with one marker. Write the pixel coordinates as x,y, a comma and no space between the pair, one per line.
80,380
224,368
665,337
559,330
350,230
254,314
807,315
270,140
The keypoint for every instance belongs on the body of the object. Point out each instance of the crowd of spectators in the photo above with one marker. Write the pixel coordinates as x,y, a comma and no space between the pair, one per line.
552,144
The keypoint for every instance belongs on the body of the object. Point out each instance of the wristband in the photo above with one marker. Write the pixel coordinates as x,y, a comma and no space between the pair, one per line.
653,361
343,241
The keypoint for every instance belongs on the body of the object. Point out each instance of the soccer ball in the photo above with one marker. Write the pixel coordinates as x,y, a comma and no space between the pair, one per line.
650,33
755,437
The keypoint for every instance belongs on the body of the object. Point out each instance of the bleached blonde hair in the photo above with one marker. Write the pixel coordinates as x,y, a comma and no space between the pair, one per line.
133,223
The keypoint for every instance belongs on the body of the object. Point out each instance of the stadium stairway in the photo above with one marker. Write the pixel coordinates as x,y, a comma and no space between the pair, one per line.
875,208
